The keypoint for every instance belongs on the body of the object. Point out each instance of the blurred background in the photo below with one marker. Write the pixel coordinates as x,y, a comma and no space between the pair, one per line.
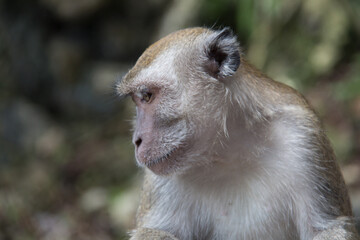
67,169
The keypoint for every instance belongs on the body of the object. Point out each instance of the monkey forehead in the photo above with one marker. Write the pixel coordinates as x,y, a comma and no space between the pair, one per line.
155,51
160,74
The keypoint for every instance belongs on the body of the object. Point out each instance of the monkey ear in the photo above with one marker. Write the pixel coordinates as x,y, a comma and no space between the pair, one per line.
222,54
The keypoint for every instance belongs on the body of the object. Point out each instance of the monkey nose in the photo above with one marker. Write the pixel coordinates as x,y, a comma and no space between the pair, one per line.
138,142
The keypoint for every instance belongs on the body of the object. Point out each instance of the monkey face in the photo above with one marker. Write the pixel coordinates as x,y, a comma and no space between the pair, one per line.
161,135
178,86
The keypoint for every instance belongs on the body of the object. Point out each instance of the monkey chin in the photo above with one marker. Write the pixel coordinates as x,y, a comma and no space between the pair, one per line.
163,166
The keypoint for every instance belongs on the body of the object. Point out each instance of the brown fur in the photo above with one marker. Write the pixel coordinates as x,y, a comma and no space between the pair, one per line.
152,52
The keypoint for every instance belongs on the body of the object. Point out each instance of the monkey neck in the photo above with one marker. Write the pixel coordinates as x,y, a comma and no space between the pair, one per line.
254,126
234,155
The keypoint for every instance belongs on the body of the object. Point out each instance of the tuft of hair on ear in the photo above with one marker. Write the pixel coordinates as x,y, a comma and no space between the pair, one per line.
222,54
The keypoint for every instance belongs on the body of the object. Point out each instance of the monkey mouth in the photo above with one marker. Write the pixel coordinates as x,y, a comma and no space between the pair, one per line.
162,164
161,159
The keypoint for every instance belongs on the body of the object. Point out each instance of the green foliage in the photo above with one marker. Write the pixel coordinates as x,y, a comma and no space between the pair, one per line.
349,88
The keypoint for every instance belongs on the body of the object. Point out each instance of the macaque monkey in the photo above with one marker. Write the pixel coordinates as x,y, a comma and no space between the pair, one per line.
228,152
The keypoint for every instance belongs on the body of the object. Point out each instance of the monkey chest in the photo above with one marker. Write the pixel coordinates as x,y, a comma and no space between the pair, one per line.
227,219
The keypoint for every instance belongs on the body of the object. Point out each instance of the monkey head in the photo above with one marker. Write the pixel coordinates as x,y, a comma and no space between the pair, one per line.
180,88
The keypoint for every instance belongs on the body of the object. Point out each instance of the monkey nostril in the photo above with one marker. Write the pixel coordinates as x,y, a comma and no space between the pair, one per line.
138,142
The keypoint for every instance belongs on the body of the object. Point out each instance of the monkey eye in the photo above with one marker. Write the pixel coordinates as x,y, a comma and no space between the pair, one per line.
146,96
143,95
